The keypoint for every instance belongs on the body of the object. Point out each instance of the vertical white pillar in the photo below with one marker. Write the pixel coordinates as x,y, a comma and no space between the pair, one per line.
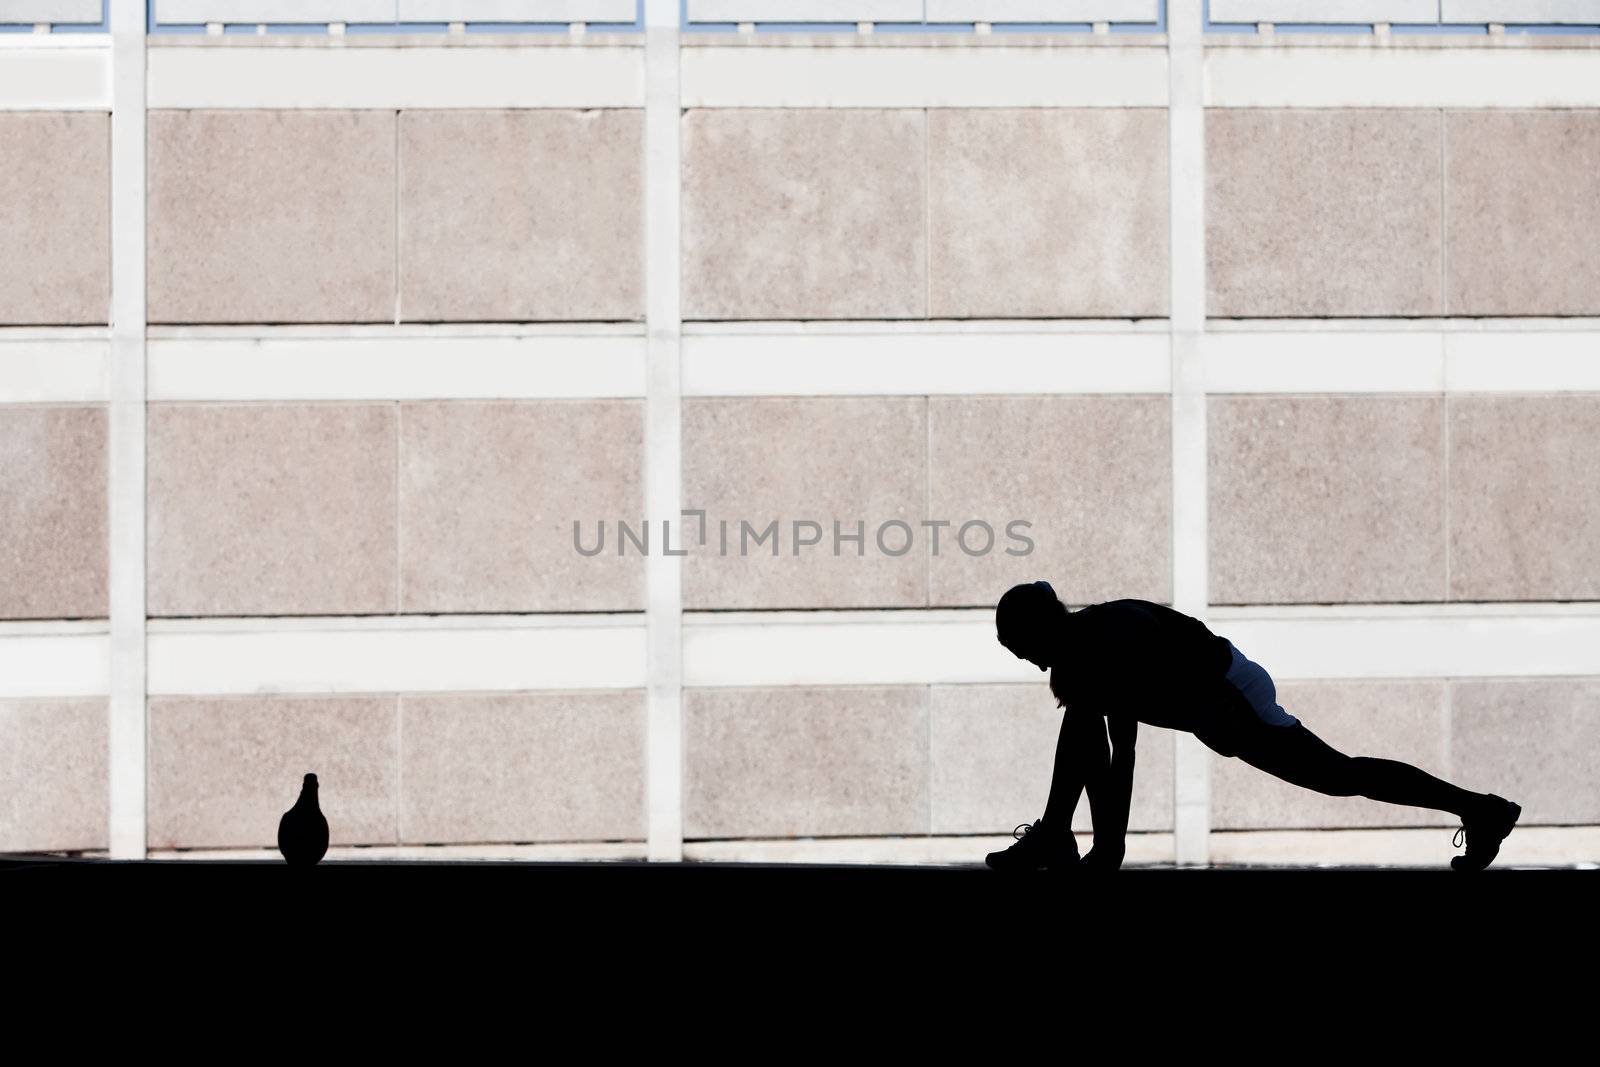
663,437
1186,144
126,483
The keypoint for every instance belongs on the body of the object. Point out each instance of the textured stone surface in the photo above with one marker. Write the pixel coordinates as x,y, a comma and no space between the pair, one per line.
52,512
846,459
1525,497
488,496
522,215
53,760
480,767
1396,720
1323,212
1522,206
805,761
223,770
993,753
1326,499
1092,475
271,509
1042,212
55,217
1531,740
804,213
271,216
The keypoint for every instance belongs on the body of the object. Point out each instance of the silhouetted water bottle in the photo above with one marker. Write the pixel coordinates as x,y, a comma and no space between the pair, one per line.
303,831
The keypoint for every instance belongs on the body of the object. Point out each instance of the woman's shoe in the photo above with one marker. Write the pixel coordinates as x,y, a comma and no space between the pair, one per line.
1037,848
1484,832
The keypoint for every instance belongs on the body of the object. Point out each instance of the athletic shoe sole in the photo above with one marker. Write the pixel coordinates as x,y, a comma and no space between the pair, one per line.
1457,862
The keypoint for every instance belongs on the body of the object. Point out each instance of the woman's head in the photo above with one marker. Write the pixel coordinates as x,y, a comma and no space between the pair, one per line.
1028,622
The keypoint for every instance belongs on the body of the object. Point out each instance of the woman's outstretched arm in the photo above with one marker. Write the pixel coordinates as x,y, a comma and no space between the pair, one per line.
1111,795
1081,760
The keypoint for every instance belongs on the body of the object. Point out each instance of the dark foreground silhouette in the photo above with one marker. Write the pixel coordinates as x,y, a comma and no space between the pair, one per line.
1123,662
303,831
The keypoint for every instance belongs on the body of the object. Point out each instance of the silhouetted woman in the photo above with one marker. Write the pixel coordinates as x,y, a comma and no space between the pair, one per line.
1117,664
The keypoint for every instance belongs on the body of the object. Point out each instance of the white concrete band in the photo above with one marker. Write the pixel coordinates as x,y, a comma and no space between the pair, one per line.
917,362
273,363
947,646
1545,362
663,462
65,369
56,78
956,646
1320,362
398,367
1395,72
72,365
578,73
1415,361
57,662
374,656
848,73
126,446
1474,641
1190,585
847,648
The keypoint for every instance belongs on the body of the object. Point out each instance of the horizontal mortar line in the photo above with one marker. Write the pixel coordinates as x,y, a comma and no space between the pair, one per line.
53,627
873,327
446,331
386,623
386,330
1420,324
1419,609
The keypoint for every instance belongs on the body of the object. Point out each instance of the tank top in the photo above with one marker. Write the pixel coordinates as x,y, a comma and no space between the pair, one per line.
1139,658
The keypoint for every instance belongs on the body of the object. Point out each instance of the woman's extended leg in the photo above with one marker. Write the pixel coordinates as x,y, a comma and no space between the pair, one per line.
1300,757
